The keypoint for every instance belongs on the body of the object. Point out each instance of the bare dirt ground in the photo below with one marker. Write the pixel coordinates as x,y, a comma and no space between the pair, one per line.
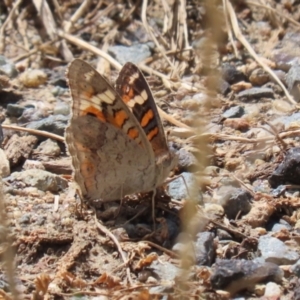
221,74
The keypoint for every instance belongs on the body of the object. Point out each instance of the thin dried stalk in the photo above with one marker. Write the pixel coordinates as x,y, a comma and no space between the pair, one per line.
245,43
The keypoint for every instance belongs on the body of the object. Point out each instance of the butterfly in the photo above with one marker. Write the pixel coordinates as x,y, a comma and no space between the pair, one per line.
115,136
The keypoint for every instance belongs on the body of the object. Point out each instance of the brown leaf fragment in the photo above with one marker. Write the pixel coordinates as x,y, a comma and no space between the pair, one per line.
19,148
109,280
73,281
240,86
4,295
41,286
147,261
237,123
259,214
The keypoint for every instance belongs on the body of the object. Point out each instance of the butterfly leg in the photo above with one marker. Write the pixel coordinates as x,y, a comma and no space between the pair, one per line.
153,209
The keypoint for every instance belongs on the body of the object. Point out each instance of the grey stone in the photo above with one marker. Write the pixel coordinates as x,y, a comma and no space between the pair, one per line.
279,191
62,108
186,160
231,74
33,164
278,227
42,180
234,201
275,251
296,268
57,91
166,270
293,80
15,110
25,218
223,235
287,120
255,94
135,53
41,220
233,112
204,249
272,291
7,67
235,275
54,124
288,170
222,86
48,147
4,164
177,188
284,60
30,114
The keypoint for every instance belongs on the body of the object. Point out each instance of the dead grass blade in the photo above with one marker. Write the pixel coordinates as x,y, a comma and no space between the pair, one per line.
274,11
150,32
35,132
5,24
245,43
107,232
82,9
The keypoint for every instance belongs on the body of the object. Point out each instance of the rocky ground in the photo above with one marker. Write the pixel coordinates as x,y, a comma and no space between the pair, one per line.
226,78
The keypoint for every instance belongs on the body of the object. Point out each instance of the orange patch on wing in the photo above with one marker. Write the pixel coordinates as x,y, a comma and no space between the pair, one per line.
87,168
152,133
120,118
96,112
127,96
147,117
133,133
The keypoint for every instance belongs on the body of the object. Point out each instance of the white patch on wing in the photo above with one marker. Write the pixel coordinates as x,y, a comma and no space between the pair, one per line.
139,99
107,97
130,103
91,102
133,77
144,95
89,75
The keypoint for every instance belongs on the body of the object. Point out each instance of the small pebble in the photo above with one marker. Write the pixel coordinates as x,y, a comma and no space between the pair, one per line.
33,78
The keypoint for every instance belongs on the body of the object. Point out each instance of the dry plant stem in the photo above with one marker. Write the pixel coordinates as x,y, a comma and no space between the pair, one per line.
243,185
149,30
58,9
245,43
36,132
46,16
167,15
32,52
84,45
96,9
8,253
104,230
229,229
182,22
229,31
275,132
292,21
87,293
169,252
165,77
135,216
77,15
9,19
175,122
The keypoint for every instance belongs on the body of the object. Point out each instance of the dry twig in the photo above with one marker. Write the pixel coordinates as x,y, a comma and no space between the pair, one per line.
246,44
